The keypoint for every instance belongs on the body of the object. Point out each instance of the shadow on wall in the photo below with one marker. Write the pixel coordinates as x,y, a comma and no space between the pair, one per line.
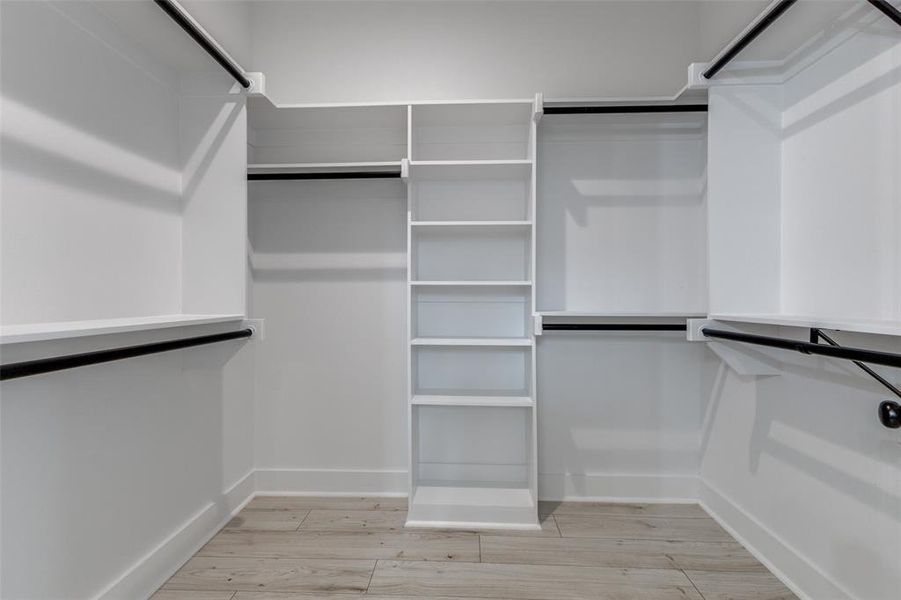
84,513
801,417
339,230
624,404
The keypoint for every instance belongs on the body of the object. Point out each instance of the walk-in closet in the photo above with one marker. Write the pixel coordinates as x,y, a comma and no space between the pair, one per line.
450,300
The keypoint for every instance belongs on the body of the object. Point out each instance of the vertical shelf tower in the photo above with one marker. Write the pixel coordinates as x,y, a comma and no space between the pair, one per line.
471,262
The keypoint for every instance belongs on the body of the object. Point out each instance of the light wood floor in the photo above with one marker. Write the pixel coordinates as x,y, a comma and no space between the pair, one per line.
292,548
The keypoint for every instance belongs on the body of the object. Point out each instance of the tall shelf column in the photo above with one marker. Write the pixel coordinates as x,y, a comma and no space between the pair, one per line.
472,411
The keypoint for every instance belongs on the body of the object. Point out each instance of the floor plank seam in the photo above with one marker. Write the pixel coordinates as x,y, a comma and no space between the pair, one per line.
371,575
302,520
697,589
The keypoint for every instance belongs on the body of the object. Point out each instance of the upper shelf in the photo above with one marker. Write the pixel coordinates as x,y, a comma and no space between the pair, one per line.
167,48
858,325
36,332
806,30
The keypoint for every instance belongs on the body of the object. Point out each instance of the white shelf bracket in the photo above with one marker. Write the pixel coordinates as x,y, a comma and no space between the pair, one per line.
537,323
257,84
259,328
405,169
538,107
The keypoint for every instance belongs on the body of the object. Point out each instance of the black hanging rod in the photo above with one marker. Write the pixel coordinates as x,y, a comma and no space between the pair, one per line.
176,14
324,175
749,36
614,327
876,357
70,361
888,9
624,109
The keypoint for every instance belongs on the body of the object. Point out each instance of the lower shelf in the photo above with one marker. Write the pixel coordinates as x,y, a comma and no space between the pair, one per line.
485,506
451,400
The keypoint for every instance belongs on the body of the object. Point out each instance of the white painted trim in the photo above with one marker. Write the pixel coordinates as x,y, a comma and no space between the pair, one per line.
331,482
472,525
152,570
795,570
604,487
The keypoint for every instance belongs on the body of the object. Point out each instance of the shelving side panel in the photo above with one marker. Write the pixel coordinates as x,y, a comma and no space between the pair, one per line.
743,191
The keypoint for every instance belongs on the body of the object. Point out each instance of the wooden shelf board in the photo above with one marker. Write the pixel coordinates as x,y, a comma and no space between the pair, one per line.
35,332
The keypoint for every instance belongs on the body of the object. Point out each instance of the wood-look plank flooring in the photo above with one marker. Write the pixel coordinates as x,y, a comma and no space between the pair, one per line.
301,548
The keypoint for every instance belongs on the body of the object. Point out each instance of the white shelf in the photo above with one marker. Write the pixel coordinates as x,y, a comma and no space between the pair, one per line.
508,342
858,326
486,506
473,224
623,314
452,400
494,283
36,332
265,261
470,170
328,167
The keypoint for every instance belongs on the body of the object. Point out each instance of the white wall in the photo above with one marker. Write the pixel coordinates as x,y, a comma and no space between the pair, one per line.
620,414
331,391
82,172
841,182
113,176
399,51
799,466
121,469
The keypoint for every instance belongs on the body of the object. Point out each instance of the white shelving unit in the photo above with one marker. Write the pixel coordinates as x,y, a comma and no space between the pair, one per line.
803,185
472,418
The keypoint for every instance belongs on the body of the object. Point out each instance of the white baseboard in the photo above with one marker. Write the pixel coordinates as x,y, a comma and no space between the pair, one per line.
331,482
795,570
600,487
152,570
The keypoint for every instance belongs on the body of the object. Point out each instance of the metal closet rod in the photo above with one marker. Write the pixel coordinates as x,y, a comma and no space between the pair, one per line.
204,41
876,357
614,327
887,9
70,361
741,43
324,175
624,109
